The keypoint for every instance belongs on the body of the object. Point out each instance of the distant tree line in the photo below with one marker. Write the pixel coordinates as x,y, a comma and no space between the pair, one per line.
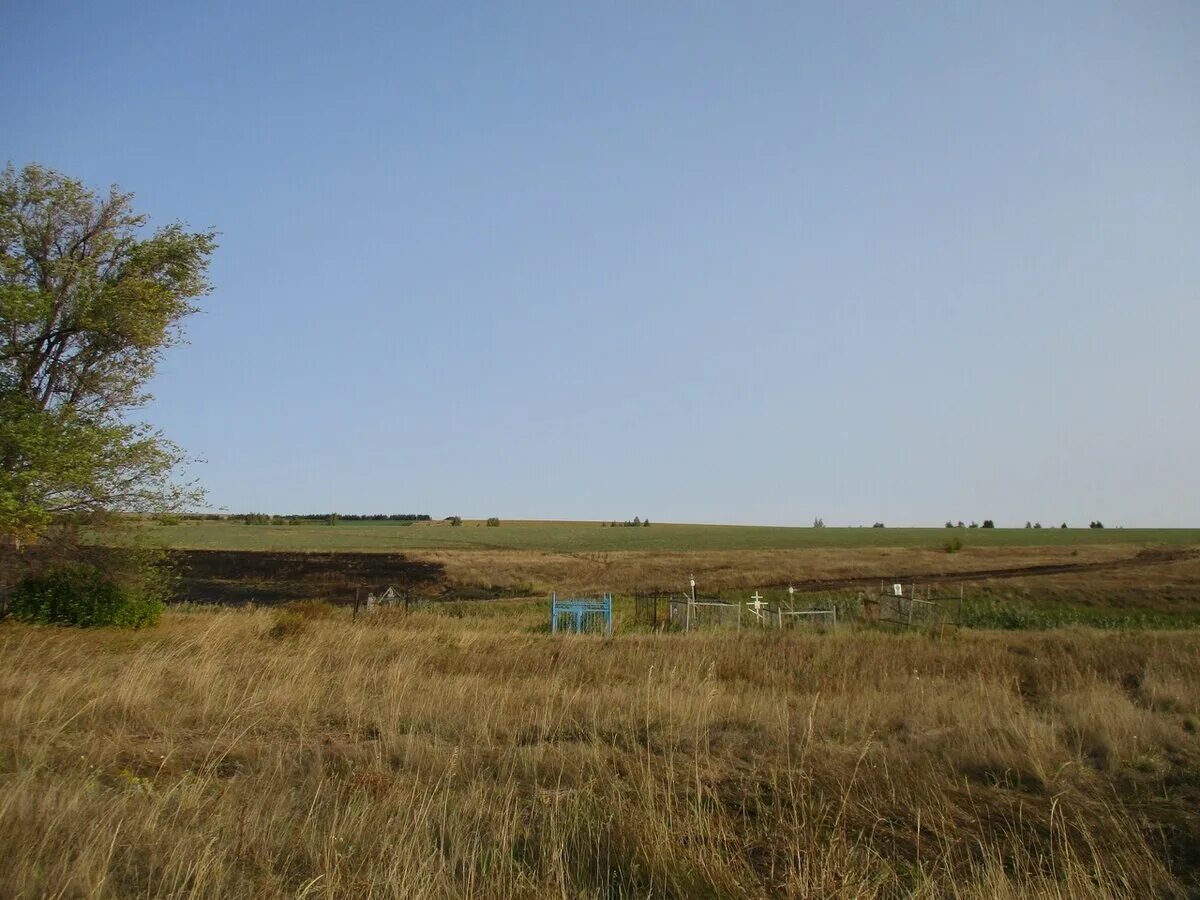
376,517
326,518
637,522
988,523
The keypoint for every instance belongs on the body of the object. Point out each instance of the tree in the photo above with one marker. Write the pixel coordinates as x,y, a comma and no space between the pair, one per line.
88,305
988,523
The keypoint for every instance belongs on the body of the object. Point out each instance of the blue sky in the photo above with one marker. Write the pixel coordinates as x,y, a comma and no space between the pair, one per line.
697,262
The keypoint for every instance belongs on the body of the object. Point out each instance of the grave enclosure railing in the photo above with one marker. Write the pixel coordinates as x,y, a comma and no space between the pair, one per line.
910,606
581,615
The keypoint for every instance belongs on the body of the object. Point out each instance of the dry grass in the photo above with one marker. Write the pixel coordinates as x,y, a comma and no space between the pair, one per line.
435,757
1169,586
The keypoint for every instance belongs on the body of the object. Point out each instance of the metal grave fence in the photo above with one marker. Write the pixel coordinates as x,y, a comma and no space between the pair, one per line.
649,607
581,615
911,607
687,614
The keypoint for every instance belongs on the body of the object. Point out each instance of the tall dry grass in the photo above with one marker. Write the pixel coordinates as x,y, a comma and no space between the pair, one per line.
439,757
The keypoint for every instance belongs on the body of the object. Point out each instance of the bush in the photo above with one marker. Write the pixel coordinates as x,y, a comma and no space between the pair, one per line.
310,609
493,522
84,595
454,520
287,624
953,545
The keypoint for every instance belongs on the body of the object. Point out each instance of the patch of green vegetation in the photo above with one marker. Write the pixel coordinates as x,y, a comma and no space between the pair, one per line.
1019,615
86,596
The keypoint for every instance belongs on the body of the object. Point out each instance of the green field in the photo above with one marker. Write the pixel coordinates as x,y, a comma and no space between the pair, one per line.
576,537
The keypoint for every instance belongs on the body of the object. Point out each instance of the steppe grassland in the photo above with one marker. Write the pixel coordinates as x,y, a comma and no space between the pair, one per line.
433,756
571,537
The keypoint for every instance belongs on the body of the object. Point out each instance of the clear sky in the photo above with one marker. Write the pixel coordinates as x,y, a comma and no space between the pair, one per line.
730,262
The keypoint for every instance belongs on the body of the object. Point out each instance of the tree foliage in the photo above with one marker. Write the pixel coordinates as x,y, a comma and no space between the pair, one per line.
88,304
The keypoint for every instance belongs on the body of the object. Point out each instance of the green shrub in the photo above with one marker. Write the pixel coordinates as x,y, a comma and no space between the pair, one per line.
287,624
84,595
493,522
953,545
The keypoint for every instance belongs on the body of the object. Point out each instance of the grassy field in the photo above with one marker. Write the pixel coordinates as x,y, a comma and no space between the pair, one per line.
251,753
577,537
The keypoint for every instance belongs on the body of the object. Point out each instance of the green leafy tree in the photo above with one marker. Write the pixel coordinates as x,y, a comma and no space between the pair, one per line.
89,301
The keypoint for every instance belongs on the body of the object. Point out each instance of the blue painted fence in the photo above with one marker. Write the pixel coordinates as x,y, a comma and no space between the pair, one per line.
581,615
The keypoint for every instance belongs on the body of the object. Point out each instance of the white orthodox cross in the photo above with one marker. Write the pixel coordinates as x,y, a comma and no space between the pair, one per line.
757,605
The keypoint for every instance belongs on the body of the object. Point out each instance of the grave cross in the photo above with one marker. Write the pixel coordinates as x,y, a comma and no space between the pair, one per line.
757,605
